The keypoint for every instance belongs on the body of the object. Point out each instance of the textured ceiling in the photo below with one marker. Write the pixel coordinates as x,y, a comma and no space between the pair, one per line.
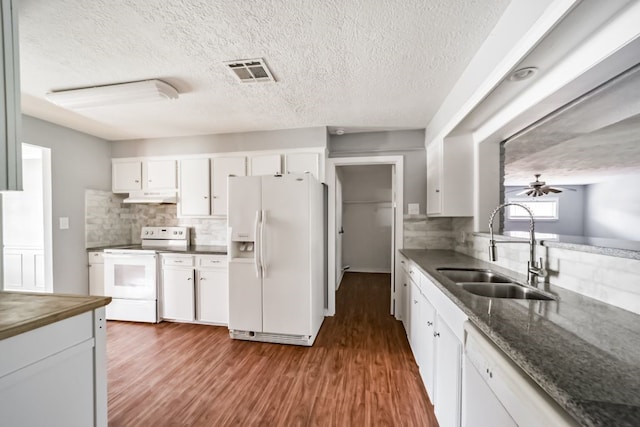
365,64
590,140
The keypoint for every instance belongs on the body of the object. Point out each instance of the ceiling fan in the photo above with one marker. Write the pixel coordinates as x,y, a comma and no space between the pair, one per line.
540,188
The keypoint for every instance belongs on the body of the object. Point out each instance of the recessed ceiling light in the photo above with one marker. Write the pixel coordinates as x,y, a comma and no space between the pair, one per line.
522,74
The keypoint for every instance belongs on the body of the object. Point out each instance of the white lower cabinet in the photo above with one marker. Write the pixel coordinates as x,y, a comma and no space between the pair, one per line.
212,297
178,294
96,273
428,354
195,288
56,375
435,330
447,396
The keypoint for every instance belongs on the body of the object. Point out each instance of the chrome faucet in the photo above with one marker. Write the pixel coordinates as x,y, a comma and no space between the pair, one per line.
534,270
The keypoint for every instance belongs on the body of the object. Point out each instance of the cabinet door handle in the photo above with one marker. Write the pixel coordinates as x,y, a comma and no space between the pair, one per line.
206,197
436,334
415,301
178,261
137,180
202,278
429,323
188,278
437,191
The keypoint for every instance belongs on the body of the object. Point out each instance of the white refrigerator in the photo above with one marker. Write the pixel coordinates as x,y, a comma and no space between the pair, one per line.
277,255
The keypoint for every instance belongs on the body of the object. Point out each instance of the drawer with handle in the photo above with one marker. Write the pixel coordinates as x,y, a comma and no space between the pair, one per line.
217,261
184,261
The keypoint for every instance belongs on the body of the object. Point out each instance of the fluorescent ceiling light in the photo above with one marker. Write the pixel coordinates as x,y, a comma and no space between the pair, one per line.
115,94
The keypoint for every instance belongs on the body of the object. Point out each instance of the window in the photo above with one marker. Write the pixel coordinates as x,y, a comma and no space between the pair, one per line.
545,209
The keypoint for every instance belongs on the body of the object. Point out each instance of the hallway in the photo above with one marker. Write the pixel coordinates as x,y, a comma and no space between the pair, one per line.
360,371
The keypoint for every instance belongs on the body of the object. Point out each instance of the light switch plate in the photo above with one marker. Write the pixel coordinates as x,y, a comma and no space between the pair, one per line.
64,223
414,208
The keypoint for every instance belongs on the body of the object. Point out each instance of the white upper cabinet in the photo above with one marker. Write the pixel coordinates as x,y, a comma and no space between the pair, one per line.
161,175
127,176
450,177
303,163
143,175
10,146
270,164
194,193
222,168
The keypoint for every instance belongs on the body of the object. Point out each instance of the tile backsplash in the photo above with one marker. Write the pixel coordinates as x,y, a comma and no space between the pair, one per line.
108,221
422,232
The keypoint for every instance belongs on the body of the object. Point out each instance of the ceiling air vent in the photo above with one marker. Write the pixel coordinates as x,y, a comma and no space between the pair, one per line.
250,70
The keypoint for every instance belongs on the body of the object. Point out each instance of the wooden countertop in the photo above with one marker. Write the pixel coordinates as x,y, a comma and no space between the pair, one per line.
22,312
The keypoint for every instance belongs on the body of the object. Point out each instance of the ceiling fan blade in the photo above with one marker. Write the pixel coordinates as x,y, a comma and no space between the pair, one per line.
554,190
521,193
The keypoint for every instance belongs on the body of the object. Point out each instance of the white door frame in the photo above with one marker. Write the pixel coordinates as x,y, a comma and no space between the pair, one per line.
397,227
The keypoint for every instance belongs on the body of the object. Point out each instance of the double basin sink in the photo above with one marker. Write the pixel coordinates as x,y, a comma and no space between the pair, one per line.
487,283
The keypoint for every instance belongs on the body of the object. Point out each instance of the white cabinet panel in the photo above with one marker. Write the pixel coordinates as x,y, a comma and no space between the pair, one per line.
161,175
266,165
178,294
222,167
416,330
450,177
213,296
448,376
302,163
406,314
434,170
96,279
194,193
127,176
482,407
428,349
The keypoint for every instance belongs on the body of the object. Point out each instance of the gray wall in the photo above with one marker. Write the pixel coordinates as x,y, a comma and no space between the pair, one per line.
408,143
367,225
571,213
614,209
222,143
78,161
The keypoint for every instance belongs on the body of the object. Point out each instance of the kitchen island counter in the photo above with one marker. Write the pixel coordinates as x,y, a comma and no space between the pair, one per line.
583,353
22,312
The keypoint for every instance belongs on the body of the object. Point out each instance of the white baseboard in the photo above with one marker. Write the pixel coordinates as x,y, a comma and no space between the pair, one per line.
340,279
369,270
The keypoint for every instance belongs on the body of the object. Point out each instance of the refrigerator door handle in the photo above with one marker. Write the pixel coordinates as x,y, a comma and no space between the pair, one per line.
256,246
263,263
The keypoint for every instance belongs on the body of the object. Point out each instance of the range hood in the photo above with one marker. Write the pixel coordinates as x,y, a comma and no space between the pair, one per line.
151,197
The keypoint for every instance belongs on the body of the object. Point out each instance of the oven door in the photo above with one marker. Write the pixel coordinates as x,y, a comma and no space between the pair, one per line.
130,275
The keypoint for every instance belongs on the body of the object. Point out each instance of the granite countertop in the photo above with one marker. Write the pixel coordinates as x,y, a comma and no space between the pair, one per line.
191,249
584,353
22,312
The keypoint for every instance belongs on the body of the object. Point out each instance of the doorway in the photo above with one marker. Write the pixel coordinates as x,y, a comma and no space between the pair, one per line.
362,201
26,226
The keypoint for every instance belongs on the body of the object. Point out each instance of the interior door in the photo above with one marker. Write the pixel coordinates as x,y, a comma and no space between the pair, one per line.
339,230
286,255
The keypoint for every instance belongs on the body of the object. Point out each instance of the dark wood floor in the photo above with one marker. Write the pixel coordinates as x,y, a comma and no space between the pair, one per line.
360,372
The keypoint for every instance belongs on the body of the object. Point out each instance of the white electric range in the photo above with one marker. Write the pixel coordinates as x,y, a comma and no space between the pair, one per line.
131,273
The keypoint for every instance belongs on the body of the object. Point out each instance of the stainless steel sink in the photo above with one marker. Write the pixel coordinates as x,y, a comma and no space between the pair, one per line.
474,275
504,290
487,283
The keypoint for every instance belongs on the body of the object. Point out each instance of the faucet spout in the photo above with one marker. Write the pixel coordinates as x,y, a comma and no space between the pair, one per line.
534,270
